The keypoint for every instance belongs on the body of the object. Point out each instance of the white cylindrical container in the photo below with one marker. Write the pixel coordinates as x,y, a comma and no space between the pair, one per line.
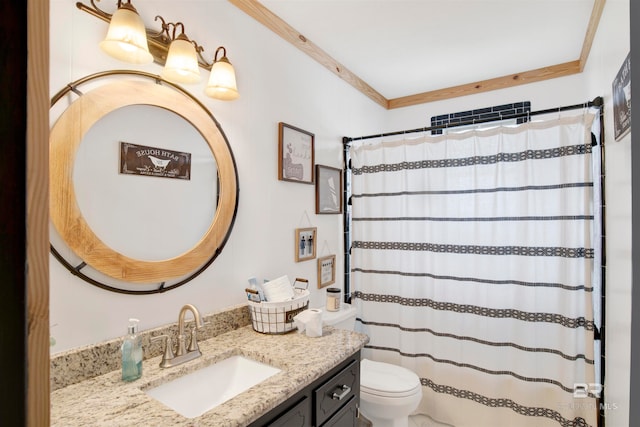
333,299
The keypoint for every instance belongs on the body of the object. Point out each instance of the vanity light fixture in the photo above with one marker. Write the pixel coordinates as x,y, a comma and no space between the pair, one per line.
222,80
181,65
126,38
180,56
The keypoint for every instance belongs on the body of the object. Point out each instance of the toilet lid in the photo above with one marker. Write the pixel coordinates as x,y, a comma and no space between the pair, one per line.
385,379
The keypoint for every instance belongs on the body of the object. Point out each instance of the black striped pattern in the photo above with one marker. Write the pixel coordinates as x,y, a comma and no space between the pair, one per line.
477,190
473,339
476,279
476,160
478,368
506,403
479,219
447,230
504,313
526,251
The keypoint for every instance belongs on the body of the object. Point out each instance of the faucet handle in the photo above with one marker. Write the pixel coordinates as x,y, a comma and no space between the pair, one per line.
167,355
193,344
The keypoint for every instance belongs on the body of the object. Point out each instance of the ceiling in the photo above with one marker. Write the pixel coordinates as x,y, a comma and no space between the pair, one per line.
407,52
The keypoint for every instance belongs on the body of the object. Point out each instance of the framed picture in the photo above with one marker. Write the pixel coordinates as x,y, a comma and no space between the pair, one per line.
328,190
295,154
305,243
621,88
326,271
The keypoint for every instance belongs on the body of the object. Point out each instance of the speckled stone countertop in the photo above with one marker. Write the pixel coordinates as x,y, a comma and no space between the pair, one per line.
108,401
83,363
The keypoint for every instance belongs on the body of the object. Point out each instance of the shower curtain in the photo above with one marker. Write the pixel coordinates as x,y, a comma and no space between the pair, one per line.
474,263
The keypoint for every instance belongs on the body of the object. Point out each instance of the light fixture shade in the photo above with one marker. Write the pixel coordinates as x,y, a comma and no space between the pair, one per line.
222,81
182,64
126,38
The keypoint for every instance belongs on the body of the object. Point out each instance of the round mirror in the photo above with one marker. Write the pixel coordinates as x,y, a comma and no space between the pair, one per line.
134,212
143,184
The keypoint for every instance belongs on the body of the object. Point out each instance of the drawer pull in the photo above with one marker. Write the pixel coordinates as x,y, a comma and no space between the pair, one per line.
345,392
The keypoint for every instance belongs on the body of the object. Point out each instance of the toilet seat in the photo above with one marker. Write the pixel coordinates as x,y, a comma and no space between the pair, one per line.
390,395
387,380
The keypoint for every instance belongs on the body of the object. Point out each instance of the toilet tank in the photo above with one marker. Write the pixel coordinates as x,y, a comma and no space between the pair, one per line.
345,318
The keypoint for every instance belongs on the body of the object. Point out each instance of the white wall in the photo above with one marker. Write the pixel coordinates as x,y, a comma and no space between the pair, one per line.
609,51
279,83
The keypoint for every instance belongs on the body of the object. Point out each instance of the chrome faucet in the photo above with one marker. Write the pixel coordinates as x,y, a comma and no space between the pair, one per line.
182,354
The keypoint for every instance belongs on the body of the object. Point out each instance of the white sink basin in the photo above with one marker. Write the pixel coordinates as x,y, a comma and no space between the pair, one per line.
194,394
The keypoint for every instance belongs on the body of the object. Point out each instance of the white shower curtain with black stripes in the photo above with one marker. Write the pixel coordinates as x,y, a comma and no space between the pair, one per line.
475,264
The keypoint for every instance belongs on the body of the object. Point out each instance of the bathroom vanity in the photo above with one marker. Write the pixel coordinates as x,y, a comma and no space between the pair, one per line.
330,401
318,384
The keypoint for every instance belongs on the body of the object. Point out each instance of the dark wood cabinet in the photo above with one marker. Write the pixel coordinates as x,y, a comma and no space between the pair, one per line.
330,401
297,416
335,392
345,417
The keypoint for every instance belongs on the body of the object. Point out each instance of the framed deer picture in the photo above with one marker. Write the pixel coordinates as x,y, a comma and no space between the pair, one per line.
295,154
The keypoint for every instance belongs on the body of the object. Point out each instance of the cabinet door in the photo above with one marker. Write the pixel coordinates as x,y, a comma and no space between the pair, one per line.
298,416
345,417
337,391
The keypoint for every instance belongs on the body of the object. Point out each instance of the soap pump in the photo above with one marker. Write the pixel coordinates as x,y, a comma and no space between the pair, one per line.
132,353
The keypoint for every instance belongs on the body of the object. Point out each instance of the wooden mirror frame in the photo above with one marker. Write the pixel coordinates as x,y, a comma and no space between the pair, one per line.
66,136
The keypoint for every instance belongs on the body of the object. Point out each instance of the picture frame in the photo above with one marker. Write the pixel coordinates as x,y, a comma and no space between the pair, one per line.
305,244
295,154
621,91
326,271
328,190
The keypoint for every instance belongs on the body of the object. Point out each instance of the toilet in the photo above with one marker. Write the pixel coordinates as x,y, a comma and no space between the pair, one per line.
388,393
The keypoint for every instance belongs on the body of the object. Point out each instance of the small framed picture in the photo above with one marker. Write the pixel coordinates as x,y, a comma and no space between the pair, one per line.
621,88
328,190
295,154
305,243
326,271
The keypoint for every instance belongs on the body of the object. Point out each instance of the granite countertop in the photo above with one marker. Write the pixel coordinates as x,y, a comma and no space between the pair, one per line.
108,401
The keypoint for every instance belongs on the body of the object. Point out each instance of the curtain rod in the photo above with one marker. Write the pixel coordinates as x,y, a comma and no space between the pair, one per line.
597,102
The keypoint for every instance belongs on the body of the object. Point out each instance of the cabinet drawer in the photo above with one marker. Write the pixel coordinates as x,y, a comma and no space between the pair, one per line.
345,417
337,391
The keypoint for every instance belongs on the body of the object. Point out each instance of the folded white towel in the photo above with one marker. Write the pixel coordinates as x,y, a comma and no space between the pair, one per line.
278,290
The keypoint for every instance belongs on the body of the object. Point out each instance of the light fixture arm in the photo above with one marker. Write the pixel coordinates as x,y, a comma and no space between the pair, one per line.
158,41
224,54
170,36
166,26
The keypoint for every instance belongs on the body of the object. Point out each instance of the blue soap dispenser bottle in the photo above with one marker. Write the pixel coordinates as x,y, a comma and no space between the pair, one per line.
132,353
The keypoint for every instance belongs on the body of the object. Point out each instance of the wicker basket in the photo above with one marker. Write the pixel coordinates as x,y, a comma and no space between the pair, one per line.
277,317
